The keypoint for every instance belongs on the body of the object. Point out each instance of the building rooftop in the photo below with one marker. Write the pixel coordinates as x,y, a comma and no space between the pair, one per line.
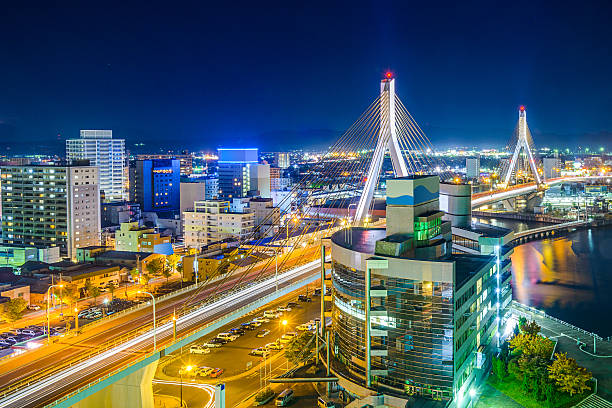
359,239
466,265
125,255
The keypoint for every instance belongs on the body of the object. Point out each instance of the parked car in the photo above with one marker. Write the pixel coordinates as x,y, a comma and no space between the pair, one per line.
292,305
227,336
238,331
263,333
304,298
216,373
323,402
33,307
260,351
284,398
283,309
287,337
255,324
199,349
317,292
274,346
247,326
261,319
213,343
271,314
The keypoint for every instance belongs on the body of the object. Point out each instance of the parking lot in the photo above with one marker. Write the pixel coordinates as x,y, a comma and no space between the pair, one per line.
234,358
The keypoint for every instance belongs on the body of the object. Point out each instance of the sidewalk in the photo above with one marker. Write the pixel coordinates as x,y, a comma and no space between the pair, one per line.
600,363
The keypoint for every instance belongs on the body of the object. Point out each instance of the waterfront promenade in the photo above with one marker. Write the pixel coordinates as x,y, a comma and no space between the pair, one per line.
568,336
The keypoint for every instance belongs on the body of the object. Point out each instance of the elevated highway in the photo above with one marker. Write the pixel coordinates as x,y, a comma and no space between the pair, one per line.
49,373
490,197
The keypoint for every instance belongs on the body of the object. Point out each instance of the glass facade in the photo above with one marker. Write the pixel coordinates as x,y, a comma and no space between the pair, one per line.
412,341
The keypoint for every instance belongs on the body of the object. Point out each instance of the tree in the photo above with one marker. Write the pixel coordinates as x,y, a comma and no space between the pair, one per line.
180,269
568,375
166,273
111,288
134,273
173,261
299,348
92,290
144,279
155,267
531,327
532,345
13,309
499,368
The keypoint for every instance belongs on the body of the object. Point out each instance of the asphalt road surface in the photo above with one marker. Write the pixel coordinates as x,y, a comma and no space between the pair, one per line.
235,360
47,357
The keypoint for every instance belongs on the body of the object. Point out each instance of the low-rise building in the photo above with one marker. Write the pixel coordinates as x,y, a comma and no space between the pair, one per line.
15,255
212,221
267,217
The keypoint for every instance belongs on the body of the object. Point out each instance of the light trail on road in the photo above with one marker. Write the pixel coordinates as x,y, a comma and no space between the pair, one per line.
209,389
32,395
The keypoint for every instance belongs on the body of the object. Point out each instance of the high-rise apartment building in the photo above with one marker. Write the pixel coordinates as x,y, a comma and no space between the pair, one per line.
409,318
472,167
106,153
283,160
212,221
51,206
155,184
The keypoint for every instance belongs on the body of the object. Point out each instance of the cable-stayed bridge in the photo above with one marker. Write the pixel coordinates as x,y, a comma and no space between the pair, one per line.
384,142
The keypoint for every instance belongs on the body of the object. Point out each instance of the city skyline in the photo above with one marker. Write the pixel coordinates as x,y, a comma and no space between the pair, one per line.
199,80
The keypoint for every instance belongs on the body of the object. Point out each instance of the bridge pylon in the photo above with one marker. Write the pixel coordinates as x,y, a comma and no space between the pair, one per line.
387,140
522,142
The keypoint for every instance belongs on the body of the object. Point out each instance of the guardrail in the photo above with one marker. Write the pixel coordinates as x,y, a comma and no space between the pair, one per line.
4,391
183,338
542,313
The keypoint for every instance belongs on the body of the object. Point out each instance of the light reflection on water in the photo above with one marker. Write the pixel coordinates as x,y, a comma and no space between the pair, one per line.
569,277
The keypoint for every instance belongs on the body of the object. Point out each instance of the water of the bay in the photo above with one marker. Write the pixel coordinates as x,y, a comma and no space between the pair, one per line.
570,277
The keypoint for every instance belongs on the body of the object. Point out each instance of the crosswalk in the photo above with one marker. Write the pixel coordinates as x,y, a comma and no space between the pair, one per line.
594,401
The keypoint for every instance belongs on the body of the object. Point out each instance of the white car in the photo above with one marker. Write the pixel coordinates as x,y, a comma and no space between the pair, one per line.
261,351
261,319
198,349
227,336
33,307
274,346
287,337
283,309
271,314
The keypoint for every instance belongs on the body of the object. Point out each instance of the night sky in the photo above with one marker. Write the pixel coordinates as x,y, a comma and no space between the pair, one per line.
296,74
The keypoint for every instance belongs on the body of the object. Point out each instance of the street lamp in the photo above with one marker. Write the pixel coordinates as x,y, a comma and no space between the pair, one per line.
48,307
154,327
76,319
184,369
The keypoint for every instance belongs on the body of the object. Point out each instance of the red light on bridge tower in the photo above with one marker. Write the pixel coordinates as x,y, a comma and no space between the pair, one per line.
389,75
522,108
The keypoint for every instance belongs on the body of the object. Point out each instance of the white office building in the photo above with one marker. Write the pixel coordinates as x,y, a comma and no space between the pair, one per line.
106,153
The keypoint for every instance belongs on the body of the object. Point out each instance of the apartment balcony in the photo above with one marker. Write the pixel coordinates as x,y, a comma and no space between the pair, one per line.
379,352
378,291
378,332
378,311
